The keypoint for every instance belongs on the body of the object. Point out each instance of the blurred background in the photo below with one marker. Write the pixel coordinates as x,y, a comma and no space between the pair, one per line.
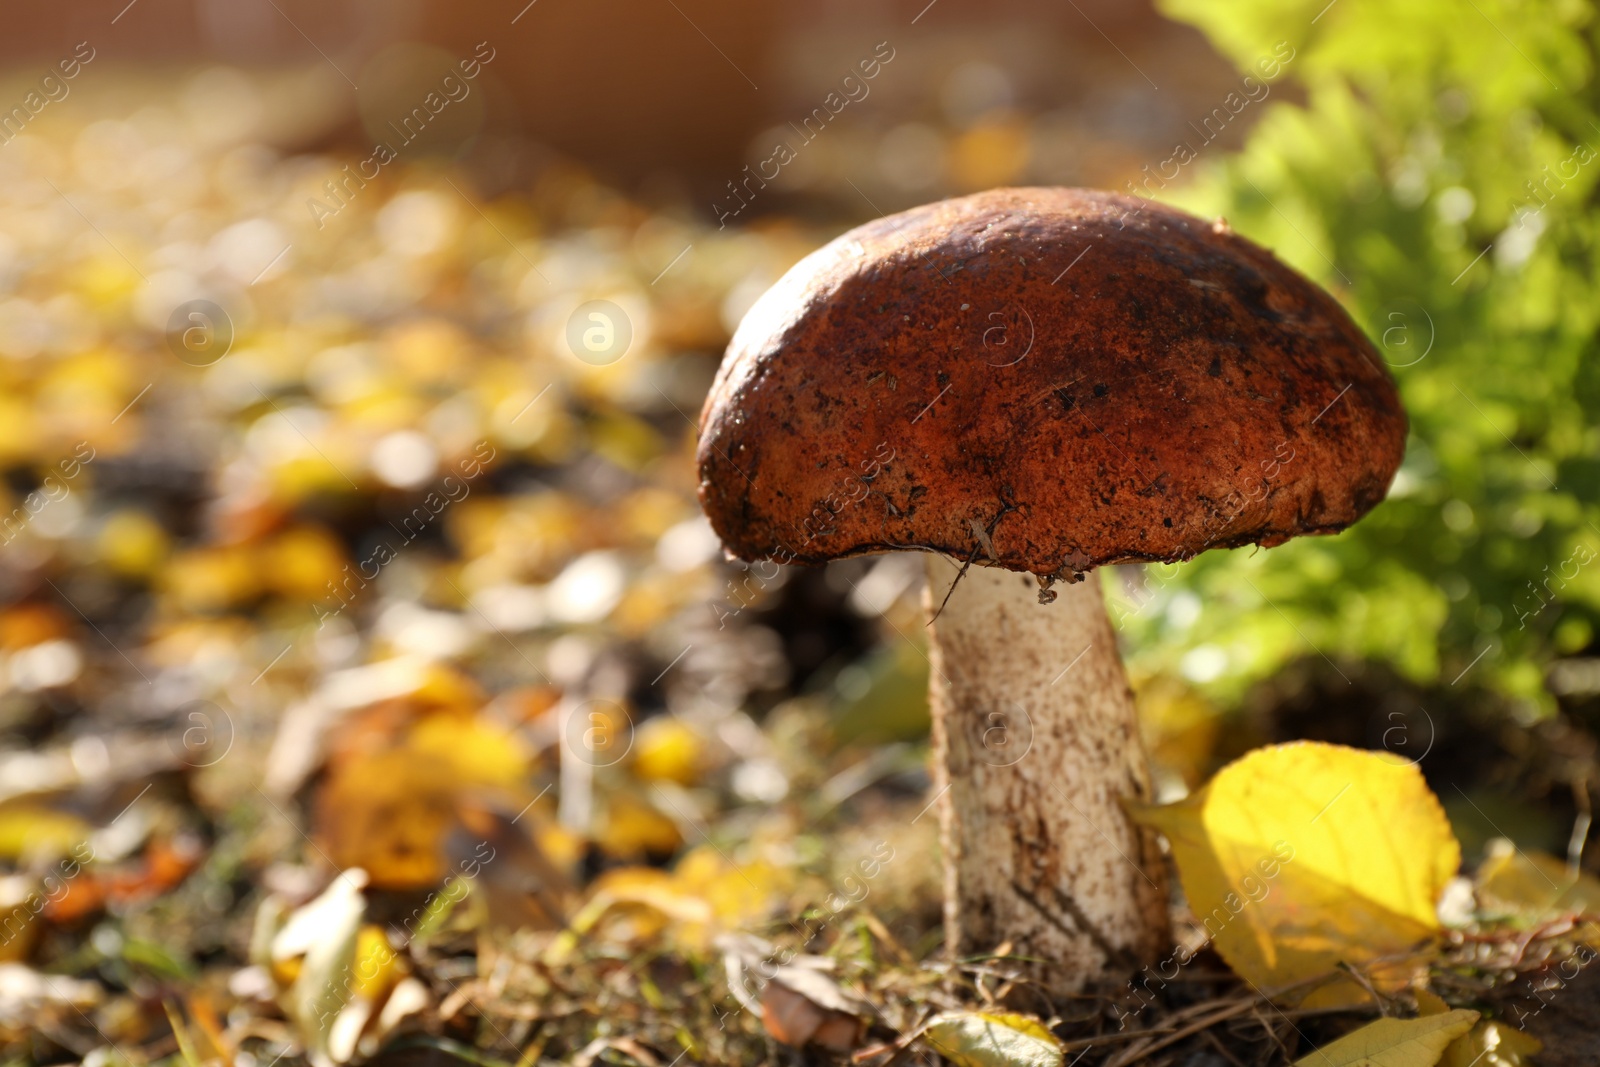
328,530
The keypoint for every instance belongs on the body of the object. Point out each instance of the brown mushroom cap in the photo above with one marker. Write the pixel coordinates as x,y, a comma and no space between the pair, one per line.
1048,380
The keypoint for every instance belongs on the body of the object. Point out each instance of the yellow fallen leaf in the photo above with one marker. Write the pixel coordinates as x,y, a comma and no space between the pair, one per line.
632,829
377,965
481,751
1394,1042
446,687
132,543
649,600
303,563
19,929
648,512
19,431
30,831
1429,1003
1534,884
1489,1044
387,813
992,1039
667,749
394,790
1179,727
1492,1044
300,477
628,442
212,578
738,894
662,890
429,350
646,899
704,894
1300,857
654,888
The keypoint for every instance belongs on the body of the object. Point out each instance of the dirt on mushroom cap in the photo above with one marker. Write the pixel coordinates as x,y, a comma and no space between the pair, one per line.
1048,380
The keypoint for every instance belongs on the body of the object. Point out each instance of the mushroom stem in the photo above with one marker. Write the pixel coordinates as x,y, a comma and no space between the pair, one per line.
1035,740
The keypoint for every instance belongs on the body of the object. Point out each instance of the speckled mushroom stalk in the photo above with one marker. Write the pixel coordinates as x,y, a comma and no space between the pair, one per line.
1036,744
1043,382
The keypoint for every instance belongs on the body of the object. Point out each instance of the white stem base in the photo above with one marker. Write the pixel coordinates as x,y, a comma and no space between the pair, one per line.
1035,740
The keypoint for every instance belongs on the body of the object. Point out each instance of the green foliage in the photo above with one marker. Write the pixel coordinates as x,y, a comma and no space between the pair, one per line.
1429,133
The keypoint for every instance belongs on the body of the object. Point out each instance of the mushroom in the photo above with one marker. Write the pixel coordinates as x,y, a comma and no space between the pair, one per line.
1036,383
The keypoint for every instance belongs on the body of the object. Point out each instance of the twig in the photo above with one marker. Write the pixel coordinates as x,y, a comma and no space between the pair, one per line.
1229,1008
1204,1006
881,932
982,542
1349,1009
1222,1049
1129,1055
1255,1012
1121,1035
960,575
1361,980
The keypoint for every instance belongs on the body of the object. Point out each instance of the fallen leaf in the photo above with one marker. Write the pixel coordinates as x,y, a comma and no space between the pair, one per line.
84,896
1300,857
322,940
212,578
408,998
501,852
28,831
28,997
801,1005
1180,728
738,893
704,894
652,888
1533,884
1429,1003
632,829
302,563
20,897
992,1039
1394,1042
377,966
633,903
165,864
398,776
667,749
1490,1043
133,544
28,624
